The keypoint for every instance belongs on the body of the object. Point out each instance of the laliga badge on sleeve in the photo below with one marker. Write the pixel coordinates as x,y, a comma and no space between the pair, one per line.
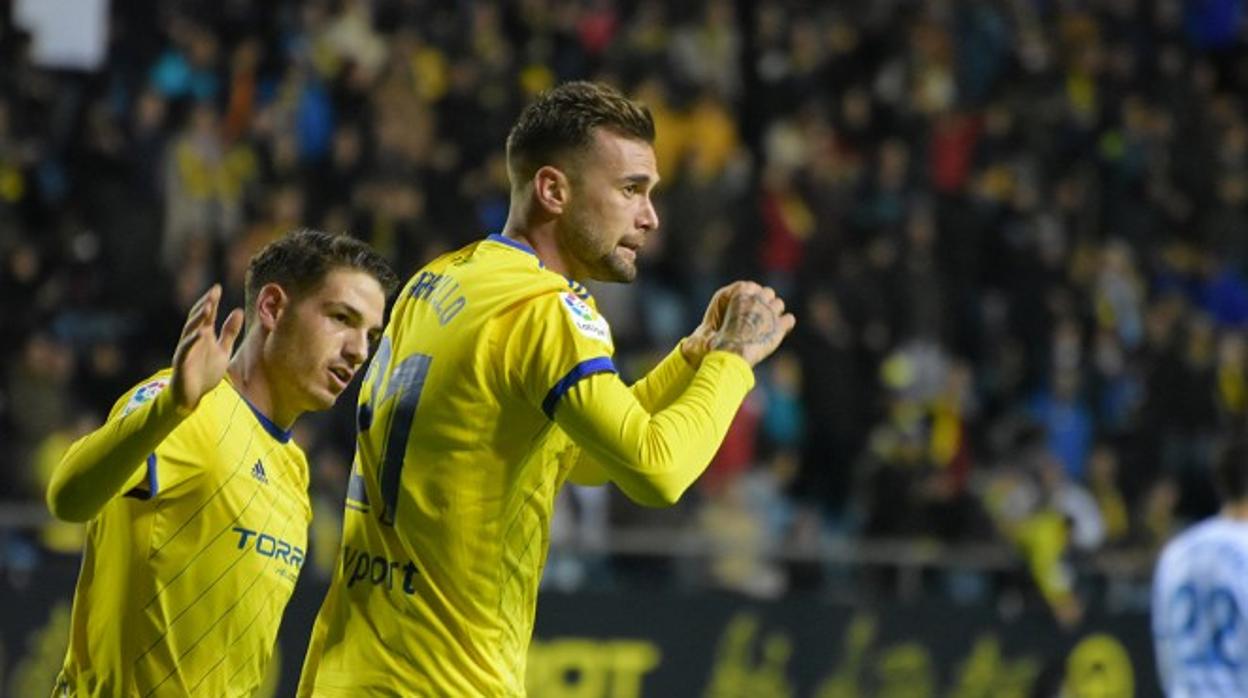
145,393
584,319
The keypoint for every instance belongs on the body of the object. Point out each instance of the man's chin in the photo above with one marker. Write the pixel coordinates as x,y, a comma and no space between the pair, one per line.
615,270
324,399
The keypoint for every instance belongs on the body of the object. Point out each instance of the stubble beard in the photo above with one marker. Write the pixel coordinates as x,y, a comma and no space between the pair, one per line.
619,270
300,381
609,266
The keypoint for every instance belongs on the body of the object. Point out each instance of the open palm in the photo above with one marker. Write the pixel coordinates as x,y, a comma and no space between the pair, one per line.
200,361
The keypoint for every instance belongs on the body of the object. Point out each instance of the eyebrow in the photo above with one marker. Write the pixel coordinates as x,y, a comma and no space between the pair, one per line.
640,179
356,315
374,333
348,308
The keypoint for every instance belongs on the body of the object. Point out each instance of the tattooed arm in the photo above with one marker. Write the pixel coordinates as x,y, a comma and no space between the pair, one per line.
754,324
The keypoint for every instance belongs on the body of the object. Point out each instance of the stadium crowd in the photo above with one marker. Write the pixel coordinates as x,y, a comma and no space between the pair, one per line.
1015,236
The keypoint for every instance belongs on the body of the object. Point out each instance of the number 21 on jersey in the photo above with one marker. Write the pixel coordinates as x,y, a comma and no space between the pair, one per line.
387,414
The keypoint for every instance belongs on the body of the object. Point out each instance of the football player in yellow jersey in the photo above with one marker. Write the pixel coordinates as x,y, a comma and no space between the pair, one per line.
196,497
493,385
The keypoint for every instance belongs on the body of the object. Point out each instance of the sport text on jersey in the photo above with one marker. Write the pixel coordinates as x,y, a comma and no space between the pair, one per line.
377,570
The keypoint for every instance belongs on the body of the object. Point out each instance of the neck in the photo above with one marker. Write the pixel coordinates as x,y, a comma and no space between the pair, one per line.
250,378
538,233
1237,510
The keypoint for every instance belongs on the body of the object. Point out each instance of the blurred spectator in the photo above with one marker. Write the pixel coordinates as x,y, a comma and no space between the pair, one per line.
38,388
1104,488
1051,520
1067,423
745,521
204,188
831,394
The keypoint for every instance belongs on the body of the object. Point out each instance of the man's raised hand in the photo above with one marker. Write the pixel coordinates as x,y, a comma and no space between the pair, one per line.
754,323
697,344
202,356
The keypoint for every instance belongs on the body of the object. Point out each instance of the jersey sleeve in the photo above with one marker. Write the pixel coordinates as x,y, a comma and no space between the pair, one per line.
144,483
655,391
556,341
655,457
665,382
118,457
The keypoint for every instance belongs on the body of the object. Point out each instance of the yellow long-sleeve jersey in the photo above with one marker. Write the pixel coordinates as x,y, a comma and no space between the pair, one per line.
494,380
185,576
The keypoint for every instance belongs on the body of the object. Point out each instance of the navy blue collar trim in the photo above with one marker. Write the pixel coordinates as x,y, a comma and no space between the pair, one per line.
275,431
511,243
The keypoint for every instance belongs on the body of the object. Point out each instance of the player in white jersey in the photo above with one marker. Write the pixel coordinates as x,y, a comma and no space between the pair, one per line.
1200,595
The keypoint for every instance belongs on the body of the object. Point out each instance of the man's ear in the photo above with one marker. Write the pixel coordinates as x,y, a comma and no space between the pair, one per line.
271,302
551,189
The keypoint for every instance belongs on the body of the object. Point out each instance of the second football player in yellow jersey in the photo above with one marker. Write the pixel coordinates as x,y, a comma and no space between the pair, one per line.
493,385
195,495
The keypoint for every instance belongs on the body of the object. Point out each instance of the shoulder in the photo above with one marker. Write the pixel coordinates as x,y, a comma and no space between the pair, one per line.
435,266
143,392
1170,551
1186,537
563,306
1193,536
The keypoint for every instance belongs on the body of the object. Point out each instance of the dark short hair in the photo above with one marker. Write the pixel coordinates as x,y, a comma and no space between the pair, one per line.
299,262
1230,472
563,119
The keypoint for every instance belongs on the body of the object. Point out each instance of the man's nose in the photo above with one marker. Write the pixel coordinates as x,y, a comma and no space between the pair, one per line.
356,348
649,220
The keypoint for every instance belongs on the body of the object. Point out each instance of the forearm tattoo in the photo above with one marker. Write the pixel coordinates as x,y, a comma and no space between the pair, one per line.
750,321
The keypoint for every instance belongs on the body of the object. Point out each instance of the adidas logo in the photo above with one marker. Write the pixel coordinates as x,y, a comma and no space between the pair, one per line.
257,471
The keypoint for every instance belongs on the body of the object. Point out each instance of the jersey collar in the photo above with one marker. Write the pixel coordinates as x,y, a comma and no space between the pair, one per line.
282,435
577,288
510,242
